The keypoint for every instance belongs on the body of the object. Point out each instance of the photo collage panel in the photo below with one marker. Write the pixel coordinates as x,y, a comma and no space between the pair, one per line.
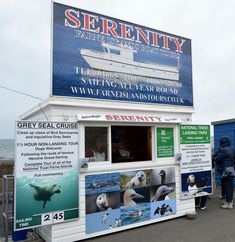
119,199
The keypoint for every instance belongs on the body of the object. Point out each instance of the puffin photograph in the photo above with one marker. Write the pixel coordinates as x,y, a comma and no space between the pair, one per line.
196,185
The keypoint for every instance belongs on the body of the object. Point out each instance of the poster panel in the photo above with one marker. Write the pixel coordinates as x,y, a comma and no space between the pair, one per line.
165,142
129,197
102,202
196,161
46,173
135,196
162,192
100,57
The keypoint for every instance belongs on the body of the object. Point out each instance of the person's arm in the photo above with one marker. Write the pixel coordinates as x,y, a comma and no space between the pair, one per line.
219,158
234,159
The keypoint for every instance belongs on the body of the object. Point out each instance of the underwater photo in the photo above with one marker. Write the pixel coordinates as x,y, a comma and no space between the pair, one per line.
38,196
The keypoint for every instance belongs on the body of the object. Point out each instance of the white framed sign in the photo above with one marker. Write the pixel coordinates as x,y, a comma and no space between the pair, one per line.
196,162
46,173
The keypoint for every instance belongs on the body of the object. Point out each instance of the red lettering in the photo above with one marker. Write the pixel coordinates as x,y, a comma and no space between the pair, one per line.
109,117
158,119
75,23
140,118
131,118
141,33
178,45
155,39
116,117
124,118
166,39
106,28
95,23
126,31
127,118
89,22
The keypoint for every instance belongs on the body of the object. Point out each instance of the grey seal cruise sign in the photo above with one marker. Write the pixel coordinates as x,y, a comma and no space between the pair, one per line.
99,57
46,173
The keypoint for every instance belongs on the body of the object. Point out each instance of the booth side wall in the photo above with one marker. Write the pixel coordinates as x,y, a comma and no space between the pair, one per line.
225,129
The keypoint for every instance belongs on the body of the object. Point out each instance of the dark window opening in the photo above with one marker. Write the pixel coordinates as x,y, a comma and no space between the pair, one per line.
114,51
96,143
106,50
131,143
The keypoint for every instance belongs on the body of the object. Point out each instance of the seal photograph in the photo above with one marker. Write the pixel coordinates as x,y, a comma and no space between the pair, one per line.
44,193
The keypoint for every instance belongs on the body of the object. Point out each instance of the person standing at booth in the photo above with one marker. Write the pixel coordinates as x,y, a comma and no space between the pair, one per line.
225,159
200,202
218,167
97,152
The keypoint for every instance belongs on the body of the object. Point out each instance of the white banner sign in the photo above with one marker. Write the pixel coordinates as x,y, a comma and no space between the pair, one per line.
195,157
128,118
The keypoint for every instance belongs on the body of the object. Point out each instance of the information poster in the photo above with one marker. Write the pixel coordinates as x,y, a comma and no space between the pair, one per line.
196,161
46,173
165,142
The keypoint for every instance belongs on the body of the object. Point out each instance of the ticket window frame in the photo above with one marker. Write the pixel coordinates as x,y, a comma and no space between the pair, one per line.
108,150
153,128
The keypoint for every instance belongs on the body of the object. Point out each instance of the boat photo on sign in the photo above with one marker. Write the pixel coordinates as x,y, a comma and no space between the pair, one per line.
99,57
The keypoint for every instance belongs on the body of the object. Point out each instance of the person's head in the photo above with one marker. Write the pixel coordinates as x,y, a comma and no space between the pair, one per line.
224,142
99,144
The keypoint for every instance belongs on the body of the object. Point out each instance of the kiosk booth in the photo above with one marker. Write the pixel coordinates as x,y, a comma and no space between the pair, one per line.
148,141
126,91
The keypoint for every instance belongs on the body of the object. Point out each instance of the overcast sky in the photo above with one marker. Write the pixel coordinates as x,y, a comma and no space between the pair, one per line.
25,49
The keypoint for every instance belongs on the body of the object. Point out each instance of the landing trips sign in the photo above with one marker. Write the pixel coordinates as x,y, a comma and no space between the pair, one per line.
99,57
196,161
46,173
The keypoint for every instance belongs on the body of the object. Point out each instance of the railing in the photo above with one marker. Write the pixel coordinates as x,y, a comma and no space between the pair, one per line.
7,205
8,213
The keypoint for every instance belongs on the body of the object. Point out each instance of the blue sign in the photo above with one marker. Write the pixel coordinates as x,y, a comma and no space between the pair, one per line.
99,57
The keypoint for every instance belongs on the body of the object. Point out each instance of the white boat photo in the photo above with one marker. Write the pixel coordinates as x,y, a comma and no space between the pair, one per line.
121,60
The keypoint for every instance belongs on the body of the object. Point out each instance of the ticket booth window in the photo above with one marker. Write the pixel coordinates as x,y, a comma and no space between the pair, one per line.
131,143
96,143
